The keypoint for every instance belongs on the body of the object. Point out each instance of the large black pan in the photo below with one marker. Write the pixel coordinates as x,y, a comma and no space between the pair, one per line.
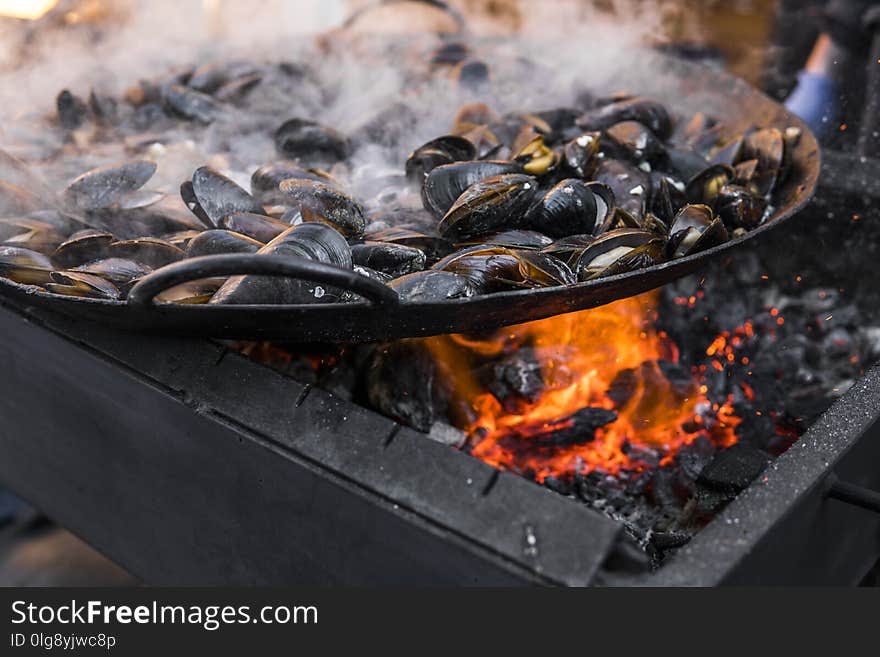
685,87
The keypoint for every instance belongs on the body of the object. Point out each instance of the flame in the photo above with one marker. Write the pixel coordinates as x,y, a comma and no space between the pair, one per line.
26,9
581,357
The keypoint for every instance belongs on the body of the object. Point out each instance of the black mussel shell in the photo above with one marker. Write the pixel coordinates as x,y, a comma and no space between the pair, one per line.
150,251
82,284
490,205
511,239
300,138
607,248
108,185
738,207
191,104
266,180
123,273
81,247
319,202
431,286
489,271
648,254
569,208
541,269
634,141
704,187
215,242
647,112
769,147
218,196
313,241
258,226
445,184
631,185
569,249
393,259
437,152
24,266
579,154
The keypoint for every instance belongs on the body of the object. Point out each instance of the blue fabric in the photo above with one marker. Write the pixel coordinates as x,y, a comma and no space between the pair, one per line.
815,100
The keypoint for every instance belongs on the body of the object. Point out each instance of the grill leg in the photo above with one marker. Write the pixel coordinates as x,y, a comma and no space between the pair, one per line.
859,496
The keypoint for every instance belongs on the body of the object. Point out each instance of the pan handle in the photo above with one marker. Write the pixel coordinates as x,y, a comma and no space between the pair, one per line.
191,269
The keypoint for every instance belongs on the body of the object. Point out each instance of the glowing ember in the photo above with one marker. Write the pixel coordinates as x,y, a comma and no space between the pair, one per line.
608,359
26,9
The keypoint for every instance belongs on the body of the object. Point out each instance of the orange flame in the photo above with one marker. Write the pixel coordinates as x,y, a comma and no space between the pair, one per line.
581,357
26,9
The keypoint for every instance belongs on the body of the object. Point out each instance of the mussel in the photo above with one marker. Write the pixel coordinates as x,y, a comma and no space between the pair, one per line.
571,207
215,242
262,228
432,286
313,241
490,205
317,201
445,184
437,152
150,251
695,229
738,207
300,138
393,259
24,266
83,246
606,249
218,196
105,186
649,113
82,284
266,180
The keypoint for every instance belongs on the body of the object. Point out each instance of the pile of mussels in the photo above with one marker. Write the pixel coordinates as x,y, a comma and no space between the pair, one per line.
523,200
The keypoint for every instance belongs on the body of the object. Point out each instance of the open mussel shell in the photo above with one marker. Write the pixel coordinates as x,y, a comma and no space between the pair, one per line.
445,184
150,251
695,229
769,147
83,246
490,205
319,202
266,181
739,207
191,292
432,285
536,158
25,266
437,152
393,259
303,139
30,234
541,269
606,249
262,228
571,207
216,242
218,196
704,187
649,113
651,253
108,185
569,249
313,241
122,272
82,284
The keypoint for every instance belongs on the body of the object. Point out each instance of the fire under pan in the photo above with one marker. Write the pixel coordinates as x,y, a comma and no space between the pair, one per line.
189,464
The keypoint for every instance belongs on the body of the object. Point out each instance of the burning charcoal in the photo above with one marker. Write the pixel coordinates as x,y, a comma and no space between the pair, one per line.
576,429
401,382
734,468
516,381
71,110
623,387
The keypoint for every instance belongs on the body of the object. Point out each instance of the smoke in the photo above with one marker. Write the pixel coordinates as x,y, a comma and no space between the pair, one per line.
560,47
